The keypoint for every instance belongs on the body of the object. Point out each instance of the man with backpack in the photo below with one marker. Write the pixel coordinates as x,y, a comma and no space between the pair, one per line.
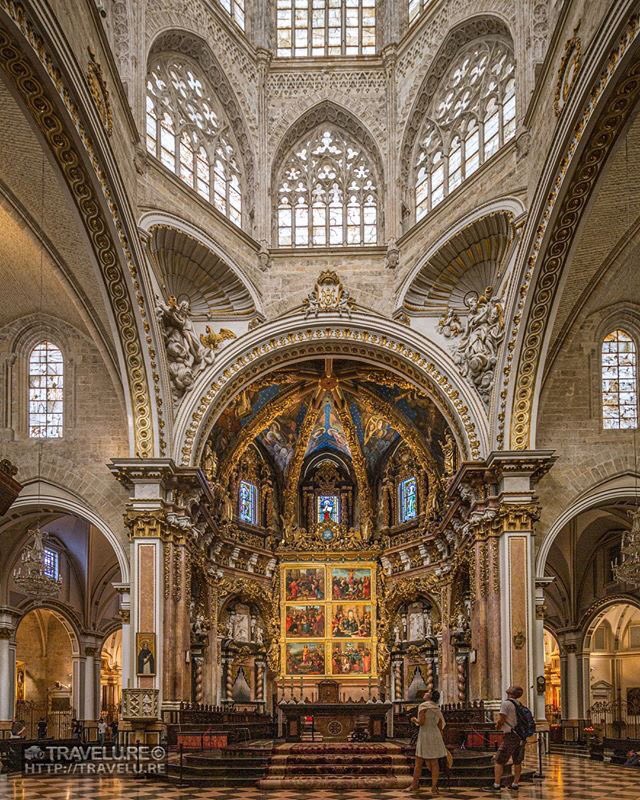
516,722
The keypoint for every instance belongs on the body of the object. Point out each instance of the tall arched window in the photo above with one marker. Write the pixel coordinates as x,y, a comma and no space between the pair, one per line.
619,381
327,193
46,391
326,27
407,500
188,132
471,116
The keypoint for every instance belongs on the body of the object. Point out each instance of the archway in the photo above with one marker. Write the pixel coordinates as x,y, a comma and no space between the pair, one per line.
111,675
45,646
612,647
553,679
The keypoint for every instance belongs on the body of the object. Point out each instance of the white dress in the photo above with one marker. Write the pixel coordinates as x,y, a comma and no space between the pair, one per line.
430,743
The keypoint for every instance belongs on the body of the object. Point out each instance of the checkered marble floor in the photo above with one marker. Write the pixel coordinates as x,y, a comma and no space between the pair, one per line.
566,778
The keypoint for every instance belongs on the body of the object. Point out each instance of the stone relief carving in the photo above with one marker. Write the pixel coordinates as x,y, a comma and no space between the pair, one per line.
186,353
568,72
99,92
328,295
476,353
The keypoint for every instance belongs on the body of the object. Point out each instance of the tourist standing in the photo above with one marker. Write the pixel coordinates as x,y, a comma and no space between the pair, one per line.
430,745
114,731
516,722
42,728
102,730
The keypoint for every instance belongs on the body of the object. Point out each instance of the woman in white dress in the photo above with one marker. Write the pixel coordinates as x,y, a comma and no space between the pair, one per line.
430,745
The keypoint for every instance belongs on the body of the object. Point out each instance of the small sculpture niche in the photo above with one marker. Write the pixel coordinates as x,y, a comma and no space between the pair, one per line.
415,623
244,625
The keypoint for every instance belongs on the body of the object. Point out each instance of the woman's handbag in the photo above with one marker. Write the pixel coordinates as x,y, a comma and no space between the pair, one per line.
449,758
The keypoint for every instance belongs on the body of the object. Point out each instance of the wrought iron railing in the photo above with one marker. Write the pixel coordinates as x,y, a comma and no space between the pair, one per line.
615,719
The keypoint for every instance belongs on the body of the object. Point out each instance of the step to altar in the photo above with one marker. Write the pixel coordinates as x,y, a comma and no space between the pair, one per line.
340,765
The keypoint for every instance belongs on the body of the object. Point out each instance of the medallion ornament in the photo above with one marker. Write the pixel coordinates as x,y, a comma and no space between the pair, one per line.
328,295
99,92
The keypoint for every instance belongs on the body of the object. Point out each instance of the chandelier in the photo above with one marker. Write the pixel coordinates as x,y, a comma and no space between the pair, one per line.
33,573
628,570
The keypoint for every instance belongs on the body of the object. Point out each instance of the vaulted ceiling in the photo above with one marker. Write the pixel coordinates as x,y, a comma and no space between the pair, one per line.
331,406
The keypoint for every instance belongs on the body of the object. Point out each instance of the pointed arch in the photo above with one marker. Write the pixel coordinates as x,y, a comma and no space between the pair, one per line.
486,29
196,49
343,199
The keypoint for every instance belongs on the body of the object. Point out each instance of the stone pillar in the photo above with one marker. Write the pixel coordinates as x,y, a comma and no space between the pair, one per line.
571,686
78,677
7,667
514,475
124,612
262,178
162,499
91,705
539,694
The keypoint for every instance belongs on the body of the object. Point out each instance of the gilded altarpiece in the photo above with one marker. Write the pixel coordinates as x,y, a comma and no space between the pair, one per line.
328,620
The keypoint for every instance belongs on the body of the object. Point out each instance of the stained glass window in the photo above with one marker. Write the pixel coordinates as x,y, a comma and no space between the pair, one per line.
327,193
326,27
51,563
469,119
619,381
248,505
187,130
328,508
408,499
235,9
46,392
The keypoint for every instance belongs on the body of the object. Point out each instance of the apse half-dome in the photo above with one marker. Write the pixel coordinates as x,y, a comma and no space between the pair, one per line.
188,269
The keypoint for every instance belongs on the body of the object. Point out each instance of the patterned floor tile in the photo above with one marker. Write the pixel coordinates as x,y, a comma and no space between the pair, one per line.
566,778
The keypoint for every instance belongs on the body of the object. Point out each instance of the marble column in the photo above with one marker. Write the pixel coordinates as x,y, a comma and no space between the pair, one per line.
7,668
538,652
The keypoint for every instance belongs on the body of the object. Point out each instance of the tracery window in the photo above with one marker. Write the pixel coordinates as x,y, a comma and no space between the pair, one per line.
326,27
470,118
187,131
46,387
248,503
328,508
619,381
327,193
235,9
407,499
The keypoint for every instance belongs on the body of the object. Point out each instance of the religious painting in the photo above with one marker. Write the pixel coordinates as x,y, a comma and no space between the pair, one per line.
351,658
351,584
328,431
633,700
20,682
306,583
374,433
281,436
302,622
351,620
146,653
305,658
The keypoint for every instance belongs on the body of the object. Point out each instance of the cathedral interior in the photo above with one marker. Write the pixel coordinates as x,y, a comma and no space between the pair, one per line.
319,333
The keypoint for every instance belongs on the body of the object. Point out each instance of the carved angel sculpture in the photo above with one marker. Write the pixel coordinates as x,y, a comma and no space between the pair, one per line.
185,354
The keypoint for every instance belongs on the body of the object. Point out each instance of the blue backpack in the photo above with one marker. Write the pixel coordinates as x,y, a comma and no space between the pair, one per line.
526,724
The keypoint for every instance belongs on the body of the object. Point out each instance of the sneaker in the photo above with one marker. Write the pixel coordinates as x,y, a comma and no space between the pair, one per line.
514,787
492,788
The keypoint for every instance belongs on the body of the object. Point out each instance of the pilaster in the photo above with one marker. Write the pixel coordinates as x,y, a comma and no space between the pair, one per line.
8,626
